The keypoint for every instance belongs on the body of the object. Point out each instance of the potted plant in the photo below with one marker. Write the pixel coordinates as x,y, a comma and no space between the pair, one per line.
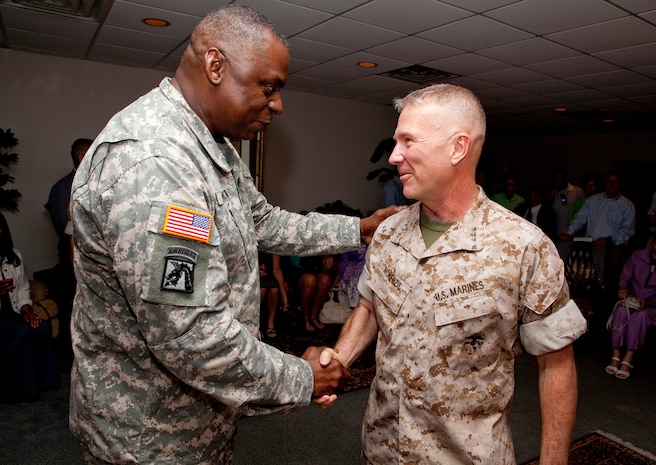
8,197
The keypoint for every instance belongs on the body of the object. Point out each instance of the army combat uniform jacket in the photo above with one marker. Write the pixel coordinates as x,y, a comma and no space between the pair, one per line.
449,319
167,225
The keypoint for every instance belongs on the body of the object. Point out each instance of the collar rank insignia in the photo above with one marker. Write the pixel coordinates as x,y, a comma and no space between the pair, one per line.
189,224
179,264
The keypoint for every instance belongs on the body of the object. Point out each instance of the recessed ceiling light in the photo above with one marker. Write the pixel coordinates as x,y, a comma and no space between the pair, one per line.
367,64
155,22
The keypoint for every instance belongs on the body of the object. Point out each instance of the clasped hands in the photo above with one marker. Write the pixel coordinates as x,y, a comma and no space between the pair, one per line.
329,375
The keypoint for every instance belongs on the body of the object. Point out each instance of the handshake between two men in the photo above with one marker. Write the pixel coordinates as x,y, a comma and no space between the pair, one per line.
329,375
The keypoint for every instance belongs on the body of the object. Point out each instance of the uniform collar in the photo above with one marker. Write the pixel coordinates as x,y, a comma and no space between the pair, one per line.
221,152
465,234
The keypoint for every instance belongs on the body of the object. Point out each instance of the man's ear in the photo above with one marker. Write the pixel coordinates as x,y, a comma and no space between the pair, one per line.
460,147
214,65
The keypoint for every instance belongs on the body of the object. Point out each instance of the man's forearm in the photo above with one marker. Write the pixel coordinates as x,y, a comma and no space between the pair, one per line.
558,396
358,333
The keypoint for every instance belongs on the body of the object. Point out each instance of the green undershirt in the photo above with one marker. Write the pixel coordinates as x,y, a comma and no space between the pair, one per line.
432,230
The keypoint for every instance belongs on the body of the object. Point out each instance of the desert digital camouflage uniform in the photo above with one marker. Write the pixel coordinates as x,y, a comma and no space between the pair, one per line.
165,328
449,322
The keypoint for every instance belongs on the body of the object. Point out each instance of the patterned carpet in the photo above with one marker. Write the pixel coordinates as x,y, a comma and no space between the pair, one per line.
295,342
597,449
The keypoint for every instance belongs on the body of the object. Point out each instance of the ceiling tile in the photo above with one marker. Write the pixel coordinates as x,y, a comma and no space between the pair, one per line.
471,83
296,82
612,78
630,57
384,64
61,46
610,35
46,24
297,65
413,17
414,50
317,52
290,19
647,70
340,91
129,16
502,93
381,83
528,51
580,96
534,101
350,34
196,7
467,63
548,87
479,6
632,90
168,63
572,66
634,6
474,33
651,17
543,17
511,76
332,6
126,38
331,73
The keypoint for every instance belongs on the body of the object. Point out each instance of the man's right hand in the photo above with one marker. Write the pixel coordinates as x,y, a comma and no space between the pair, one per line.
329,379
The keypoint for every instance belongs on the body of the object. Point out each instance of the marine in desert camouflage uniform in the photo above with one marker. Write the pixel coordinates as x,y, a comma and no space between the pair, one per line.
450,287
167,225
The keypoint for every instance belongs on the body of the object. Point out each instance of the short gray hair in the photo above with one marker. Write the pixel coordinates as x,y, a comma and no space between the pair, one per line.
460,100
235,24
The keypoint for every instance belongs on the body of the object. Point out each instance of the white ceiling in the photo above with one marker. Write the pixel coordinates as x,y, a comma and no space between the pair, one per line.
523,58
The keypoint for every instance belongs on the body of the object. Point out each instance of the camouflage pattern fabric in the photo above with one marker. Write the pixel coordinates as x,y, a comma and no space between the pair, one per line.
448,333
167,225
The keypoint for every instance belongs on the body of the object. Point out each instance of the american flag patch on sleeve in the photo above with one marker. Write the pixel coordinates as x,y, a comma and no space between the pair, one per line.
186,223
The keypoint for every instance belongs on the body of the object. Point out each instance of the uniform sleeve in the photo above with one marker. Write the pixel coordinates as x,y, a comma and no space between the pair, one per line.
550,319
291,234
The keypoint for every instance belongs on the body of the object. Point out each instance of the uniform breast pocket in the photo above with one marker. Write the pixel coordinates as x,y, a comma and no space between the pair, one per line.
235,230
468,330
390,292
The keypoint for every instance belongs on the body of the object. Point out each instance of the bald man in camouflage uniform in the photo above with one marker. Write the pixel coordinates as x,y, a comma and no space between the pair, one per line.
450,287
167,225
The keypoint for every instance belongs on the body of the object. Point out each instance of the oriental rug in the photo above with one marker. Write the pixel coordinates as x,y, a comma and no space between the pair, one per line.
600,448
295,342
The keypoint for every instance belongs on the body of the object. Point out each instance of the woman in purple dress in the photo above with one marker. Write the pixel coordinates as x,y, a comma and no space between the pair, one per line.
630,322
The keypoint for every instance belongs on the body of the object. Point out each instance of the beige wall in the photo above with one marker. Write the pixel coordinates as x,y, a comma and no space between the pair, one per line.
317,151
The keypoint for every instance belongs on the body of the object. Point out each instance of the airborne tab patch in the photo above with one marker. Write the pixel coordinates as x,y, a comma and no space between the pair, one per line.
188,224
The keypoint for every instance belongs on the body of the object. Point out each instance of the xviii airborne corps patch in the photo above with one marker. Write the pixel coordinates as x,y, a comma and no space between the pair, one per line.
179,264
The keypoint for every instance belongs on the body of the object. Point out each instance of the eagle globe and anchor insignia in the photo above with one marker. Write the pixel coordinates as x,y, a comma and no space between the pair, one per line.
179,264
